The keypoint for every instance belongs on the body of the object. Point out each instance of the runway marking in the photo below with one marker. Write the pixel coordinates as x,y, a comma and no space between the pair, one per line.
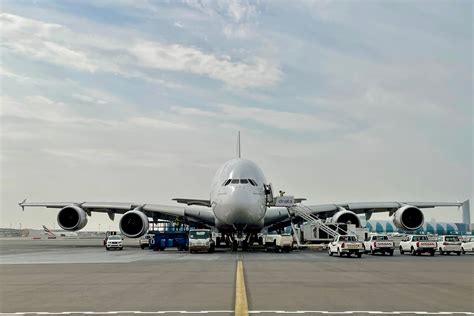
241,305
247,311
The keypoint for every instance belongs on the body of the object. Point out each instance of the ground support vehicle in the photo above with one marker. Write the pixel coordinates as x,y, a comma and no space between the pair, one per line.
279,242
417,244
114,242
144,241
467,245
448,244
107,234
379,243
346,245
163,240
201,240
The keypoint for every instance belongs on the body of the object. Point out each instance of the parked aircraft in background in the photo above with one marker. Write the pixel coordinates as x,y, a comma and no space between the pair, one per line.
241,205
59,233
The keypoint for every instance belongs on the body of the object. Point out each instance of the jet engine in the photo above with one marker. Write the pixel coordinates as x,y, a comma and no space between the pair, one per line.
134,224
345,216
72,217
408,218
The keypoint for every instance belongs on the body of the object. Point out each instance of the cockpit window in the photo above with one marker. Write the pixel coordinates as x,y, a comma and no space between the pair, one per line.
226,182
235,181
244,181
252,182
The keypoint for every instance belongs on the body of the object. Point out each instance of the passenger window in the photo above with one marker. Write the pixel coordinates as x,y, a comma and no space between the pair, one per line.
244,181
235,181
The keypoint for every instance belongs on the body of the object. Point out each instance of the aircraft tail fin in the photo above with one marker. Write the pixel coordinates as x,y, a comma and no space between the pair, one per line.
48,231
238,145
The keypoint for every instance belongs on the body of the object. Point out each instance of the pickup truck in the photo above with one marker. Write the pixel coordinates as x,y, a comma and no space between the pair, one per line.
279,243
379,243
114,242
417,244
144,242
448,244
346,244
467,245
201,240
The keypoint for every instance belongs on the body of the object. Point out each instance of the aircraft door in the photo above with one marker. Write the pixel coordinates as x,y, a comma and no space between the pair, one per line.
268,193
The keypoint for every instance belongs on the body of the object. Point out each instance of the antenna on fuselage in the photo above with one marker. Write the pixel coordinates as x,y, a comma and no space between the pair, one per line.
238,144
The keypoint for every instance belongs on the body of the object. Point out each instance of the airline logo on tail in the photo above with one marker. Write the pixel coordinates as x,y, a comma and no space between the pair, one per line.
48,231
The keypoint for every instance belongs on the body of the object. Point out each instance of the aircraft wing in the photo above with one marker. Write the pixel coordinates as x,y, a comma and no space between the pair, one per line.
278,217
195,213
328,210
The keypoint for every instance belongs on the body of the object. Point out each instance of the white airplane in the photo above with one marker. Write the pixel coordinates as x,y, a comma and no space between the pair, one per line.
59,233
241,205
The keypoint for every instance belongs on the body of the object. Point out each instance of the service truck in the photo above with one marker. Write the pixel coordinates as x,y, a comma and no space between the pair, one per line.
448,244
417,244
279,242
144,241
201,240
379,243
467,245
346,245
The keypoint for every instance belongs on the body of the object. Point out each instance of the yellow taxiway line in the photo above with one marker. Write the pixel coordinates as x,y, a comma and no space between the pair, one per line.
241,306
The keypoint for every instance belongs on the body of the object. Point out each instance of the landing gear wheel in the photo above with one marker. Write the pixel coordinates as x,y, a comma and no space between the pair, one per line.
235,245
260,241
218,241
245,245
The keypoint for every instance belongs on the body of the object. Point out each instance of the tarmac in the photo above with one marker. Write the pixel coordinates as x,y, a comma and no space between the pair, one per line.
76,276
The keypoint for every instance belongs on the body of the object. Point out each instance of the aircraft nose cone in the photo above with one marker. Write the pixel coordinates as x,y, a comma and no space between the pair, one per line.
244,207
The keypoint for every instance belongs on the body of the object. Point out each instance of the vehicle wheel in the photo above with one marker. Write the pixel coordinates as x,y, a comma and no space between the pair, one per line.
463,251
413,252
372,251
143,247
401,251
359,255
121,248
458,253
441,252
432,253
329,252
107,248
390,252
383,253
339,253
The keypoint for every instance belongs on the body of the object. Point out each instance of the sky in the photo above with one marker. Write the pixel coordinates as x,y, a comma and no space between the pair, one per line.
141,101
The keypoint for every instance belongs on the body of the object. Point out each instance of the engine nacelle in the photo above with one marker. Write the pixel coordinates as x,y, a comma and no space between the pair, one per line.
408,218
346,216
72,217
134,224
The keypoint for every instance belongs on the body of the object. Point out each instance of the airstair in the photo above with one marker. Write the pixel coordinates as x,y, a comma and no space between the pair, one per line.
305,213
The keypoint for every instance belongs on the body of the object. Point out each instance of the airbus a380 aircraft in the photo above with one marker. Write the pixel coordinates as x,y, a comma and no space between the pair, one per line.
241,204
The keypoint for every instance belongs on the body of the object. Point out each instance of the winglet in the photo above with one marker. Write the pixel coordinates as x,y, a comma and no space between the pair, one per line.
22,205
238,145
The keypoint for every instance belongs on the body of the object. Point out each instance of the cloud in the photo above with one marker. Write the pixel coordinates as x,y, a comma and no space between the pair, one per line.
178,25
56,44
283,120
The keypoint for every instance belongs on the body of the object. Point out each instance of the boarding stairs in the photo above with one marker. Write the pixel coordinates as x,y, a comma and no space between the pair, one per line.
306,213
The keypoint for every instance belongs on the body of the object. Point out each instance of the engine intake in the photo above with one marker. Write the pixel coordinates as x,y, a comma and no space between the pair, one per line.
72,218
134,224
346,216
408,218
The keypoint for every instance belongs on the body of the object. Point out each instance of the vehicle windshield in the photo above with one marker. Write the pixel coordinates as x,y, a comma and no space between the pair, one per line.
347,238
451,238
380,238
115,237
419,238
199,234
